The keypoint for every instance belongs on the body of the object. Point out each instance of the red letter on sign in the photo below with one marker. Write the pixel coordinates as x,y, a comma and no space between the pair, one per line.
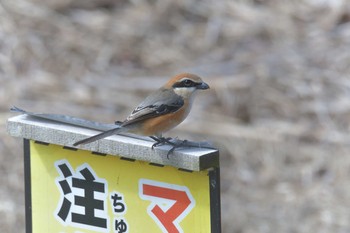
169,203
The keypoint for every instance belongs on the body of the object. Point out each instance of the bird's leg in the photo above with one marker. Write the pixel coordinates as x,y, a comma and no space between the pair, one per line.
161,141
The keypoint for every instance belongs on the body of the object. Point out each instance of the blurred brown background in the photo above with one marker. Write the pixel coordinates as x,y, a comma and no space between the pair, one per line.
278,107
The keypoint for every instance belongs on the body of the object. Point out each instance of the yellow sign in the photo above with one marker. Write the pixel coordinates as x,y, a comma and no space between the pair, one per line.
76,191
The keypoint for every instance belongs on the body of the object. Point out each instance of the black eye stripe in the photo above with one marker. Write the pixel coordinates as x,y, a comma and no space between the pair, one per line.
186,83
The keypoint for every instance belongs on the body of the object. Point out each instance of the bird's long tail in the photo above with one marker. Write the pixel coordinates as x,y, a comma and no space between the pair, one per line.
100,136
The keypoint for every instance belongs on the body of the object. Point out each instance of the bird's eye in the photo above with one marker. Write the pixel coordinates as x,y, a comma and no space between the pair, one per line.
188,83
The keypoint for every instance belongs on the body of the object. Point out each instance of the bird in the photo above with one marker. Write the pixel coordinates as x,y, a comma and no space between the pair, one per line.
159,112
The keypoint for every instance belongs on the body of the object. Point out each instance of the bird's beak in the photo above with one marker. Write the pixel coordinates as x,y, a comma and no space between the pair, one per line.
203,86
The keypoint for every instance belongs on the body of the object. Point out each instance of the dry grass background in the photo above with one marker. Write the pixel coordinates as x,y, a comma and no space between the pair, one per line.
278,108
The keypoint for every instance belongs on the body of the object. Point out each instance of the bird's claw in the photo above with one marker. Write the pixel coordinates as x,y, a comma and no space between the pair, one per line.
167,141
161,141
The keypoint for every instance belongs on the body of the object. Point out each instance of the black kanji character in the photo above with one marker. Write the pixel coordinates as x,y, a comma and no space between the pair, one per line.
89,183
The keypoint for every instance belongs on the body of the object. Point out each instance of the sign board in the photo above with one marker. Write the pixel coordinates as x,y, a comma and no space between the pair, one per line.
77,191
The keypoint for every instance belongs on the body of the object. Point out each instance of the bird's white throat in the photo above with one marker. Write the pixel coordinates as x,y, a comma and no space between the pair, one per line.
185,92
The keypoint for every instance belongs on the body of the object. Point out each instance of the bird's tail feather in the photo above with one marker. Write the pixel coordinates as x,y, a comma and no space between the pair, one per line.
99,136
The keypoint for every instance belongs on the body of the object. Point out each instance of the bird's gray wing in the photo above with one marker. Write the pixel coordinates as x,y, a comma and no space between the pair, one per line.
159,103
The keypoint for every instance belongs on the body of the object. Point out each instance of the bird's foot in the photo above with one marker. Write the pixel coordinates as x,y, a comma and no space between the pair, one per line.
161,141
167,141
